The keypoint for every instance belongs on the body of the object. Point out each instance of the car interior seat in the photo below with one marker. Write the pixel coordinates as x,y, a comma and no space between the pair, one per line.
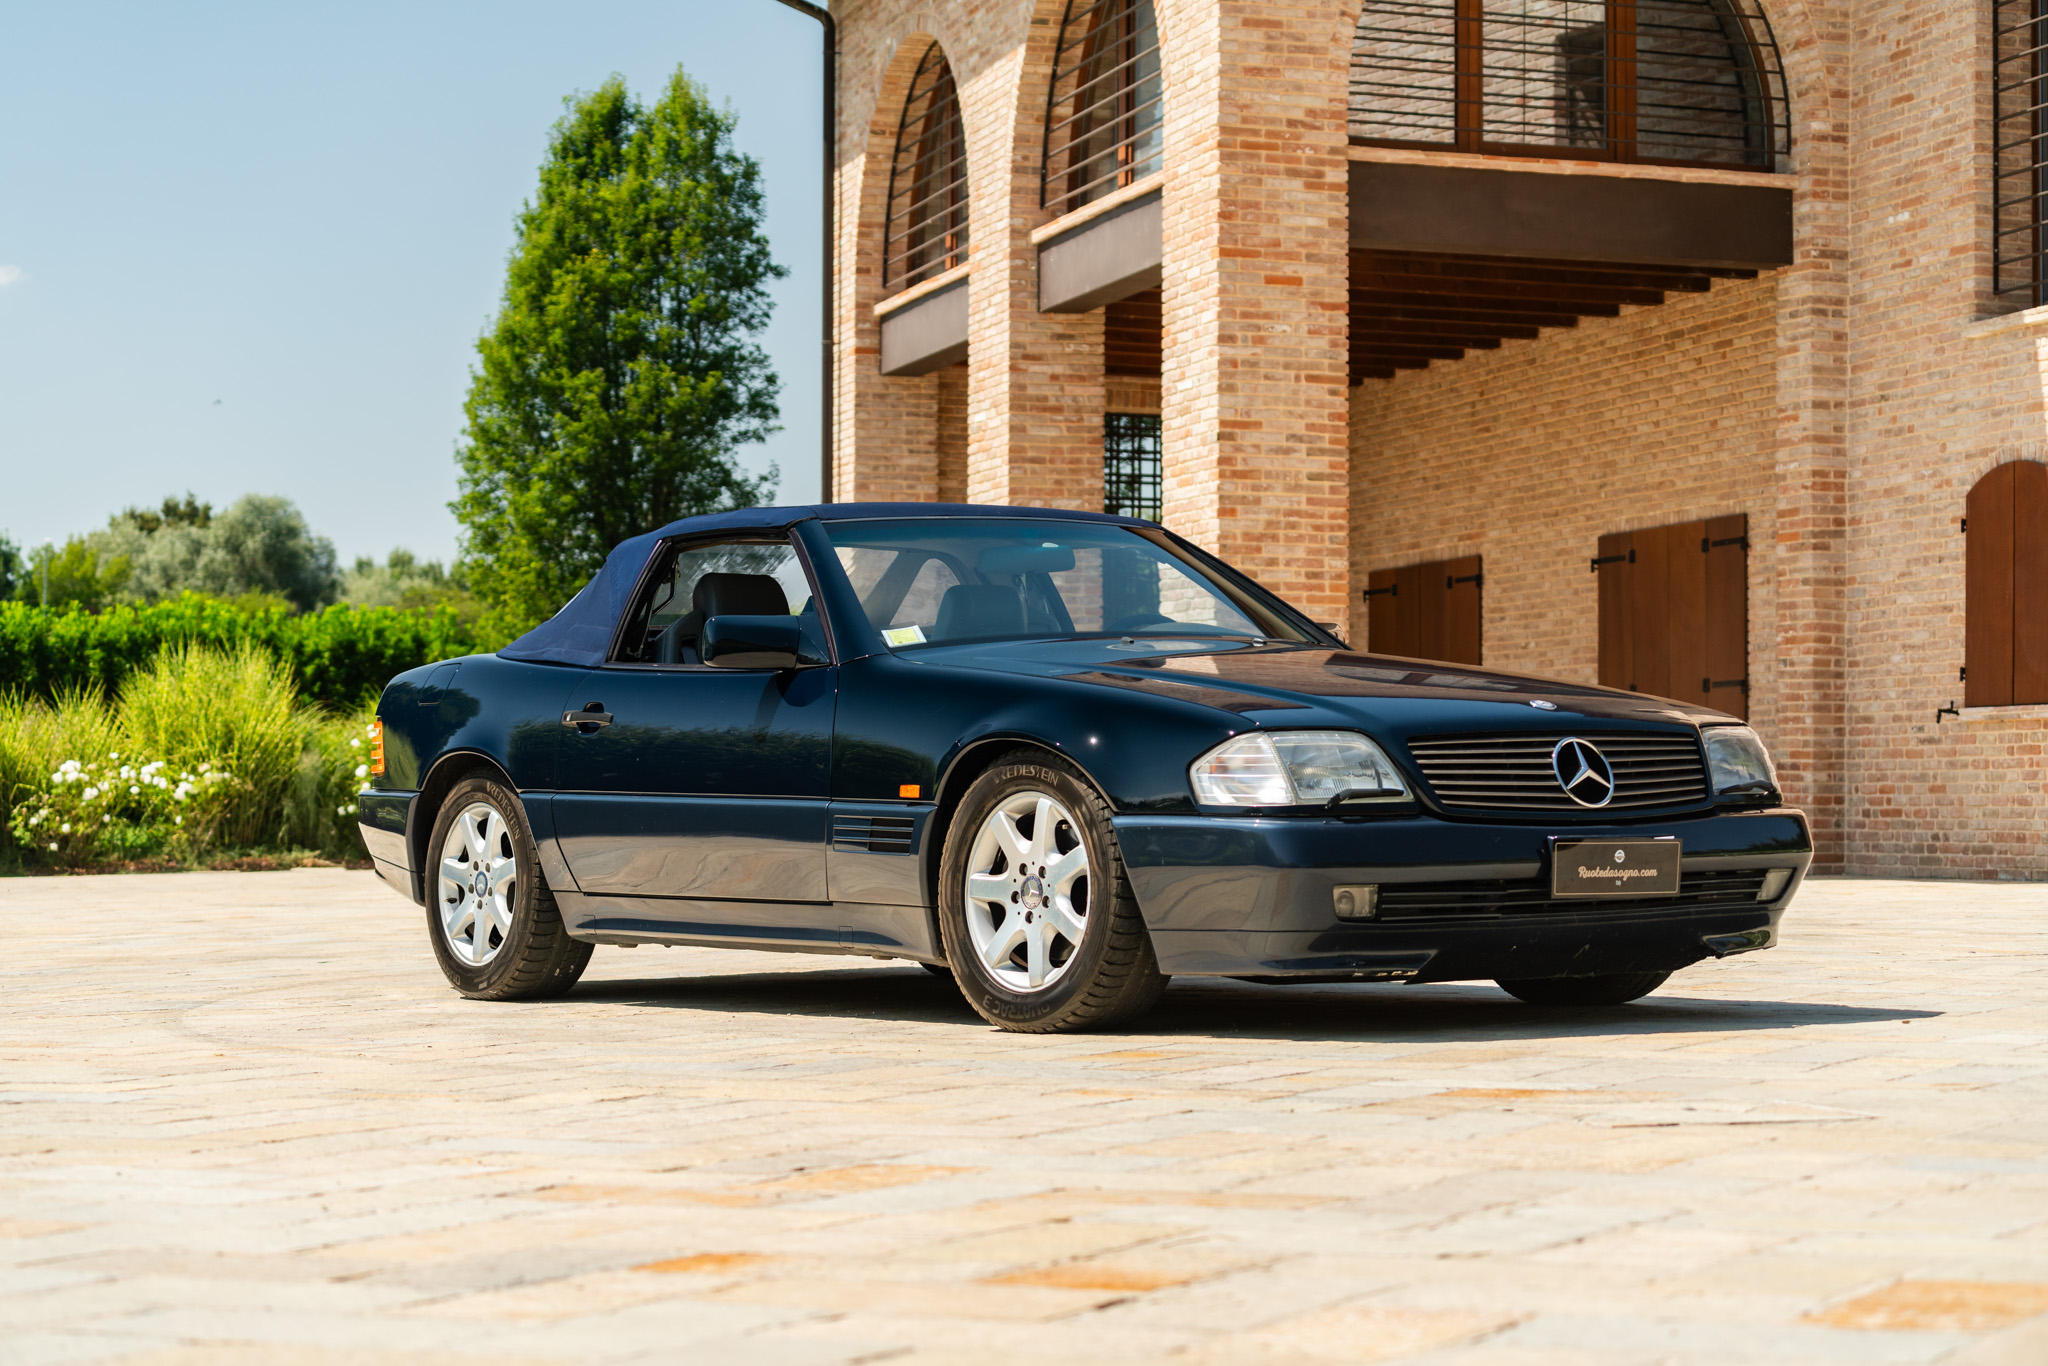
719,595
978,609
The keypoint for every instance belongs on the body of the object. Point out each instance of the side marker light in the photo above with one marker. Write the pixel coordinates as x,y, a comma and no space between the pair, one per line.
910,790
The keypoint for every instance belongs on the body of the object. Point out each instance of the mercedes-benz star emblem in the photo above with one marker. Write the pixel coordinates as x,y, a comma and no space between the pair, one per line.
1582,772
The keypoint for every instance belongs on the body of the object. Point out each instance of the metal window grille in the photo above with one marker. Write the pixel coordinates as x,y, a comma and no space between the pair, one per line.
2020,250
925,232
1670,82
1131,465
1102,119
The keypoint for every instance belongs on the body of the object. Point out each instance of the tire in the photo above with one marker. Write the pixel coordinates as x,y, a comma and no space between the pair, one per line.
526,953
1612,989
1076,958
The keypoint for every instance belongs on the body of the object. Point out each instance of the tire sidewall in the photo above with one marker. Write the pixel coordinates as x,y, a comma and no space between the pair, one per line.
485,980
990,997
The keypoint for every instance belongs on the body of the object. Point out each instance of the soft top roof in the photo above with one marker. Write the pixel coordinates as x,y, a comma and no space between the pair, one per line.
581,632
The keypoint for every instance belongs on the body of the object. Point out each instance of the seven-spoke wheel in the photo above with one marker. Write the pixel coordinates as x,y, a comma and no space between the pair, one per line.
1039,921
496,930
1027,891
479,878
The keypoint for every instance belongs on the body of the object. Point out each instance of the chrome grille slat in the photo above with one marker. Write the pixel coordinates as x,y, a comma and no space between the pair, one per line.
1512,772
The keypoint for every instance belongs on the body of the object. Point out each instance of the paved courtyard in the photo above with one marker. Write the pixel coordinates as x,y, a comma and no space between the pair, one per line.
243,1120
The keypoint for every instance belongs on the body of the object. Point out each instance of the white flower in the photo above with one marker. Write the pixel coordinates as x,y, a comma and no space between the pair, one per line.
69,765
133,789
64,829
90,793
353,808
204,767
127,772
53,847
112,755
355,744
362,770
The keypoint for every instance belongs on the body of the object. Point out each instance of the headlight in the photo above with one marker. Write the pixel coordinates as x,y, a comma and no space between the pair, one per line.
1738,763
1296,768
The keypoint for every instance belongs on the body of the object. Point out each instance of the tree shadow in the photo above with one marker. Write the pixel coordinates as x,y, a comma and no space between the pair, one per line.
1221,1008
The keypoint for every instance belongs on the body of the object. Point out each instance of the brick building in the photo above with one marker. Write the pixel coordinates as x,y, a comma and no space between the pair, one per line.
1666,343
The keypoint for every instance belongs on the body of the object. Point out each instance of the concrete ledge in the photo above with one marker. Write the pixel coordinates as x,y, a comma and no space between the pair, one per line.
927,335
1111,256
1468,211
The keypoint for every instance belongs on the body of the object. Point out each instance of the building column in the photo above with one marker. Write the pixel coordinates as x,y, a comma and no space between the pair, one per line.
1810,653
1255,418
1034,380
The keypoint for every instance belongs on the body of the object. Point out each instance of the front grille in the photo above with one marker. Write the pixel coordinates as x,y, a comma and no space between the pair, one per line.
876,834
1490,899
1513,772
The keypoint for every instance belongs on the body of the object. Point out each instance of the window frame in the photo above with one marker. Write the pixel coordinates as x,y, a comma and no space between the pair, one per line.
1621,105
661,555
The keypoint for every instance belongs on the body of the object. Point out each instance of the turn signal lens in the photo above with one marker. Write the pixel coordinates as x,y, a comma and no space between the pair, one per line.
377,747
1296,768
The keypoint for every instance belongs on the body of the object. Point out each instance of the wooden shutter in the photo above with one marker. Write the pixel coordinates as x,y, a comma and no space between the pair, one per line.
2005,577
1674,612
1426,611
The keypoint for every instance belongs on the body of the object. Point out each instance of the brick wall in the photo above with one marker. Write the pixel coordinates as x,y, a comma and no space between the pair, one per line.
1528,454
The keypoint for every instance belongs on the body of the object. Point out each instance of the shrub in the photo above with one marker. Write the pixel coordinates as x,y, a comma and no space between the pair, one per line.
320,811
339,657
36,737
234,710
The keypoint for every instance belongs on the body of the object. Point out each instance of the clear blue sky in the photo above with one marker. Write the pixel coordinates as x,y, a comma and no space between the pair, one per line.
249,248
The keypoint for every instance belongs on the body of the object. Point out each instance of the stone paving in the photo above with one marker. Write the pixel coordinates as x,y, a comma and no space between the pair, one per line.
243,1120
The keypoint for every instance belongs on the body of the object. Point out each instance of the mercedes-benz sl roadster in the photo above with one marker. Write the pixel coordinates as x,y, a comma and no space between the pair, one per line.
1060,756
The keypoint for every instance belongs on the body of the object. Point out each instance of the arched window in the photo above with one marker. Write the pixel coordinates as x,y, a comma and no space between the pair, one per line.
2005,633
926,226
1102,120
1673,82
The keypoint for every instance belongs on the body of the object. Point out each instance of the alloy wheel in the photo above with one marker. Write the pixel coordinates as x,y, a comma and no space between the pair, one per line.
479,878
1027,891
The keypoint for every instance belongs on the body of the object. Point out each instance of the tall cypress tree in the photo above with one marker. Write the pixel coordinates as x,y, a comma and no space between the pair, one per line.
621,373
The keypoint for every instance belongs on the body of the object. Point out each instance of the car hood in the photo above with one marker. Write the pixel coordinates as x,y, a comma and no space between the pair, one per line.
1263,682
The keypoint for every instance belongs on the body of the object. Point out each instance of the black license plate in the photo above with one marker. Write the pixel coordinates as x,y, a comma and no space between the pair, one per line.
1629,868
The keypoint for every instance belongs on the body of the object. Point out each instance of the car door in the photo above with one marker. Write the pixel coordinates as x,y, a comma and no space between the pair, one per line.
699,783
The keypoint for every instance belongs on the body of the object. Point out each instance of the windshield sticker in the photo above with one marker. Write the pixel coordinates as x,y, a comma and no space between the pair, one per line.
904,635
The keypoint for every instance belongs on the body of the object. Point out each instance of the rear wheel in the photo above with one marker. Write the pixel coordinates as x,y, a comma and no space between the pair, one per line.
496,930
1039,921
1610,989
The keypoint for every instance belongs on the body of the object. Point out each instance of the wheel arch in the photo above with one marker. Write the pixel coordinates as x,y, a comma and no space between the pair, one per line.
448,770
970,763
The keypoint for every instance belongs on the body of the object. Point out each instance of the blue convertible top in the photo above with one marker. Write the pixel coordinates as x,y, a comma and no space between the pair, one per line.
581,632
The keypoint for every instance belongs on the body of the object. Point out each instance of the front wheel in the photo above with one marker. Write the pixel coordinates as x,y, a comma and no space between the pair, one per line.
496,931
1611,989
1039,921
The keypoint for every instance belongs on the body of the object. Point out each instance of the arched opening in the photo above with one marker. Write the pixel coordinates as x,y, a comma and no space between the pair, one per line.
1102,117
1667,82
925,232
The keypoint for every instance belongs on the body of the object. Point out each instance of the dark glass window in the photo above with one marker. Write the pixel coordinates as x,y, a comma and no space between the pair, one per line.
2020,37
1131,465
926,225
1675,82
1102,119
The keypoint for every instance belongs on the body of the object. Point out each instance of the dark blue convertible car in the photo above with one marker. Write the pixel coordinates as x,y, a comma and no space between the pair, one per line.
1061,756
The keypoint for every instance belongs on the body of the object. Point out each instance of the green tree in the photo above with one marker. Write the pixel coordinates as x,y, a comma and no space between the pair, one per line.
13,571
621,373
78,575
259,549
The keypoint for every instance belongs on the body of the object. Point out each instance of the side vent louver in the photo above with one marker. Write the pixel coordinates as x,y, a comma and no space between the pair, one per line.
875,834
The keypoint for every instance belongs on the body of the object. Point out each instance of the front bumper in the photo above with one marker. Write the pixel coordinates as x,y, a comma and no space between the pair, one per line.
1252,896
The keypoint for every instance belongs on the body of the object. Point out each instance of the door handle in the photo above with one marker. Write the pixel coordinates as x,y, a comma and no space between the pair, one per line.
593,716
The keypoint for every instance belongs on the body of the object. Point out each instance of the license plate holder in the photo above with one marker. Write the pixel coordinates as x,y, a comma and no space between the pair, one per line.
1585,869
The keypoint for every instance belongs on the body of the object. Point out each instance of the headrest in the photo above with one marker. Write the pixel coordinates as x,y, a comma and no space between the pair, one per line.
979,609
739,595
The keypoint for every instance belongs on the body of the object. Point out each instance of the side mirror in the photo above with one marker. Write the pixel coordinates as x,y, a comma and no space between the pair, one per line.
736,642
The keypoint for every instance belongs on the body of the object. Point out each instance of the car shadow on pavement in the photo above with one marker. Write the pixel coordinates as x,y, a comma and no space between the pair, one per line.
1460,1011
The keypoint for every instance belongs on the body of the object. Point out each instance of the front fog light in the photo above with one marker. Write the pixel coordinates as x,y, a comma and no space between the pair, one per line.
1738,762
1296,768
1774,884
1356,903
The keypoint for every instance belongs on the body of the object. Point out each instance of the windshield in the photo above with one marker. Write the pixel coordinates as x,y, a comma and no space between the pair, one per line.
942,580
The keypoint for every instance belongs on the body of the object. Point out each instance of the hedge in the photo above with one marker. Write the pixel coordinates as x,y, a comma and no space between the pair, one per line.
340,656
